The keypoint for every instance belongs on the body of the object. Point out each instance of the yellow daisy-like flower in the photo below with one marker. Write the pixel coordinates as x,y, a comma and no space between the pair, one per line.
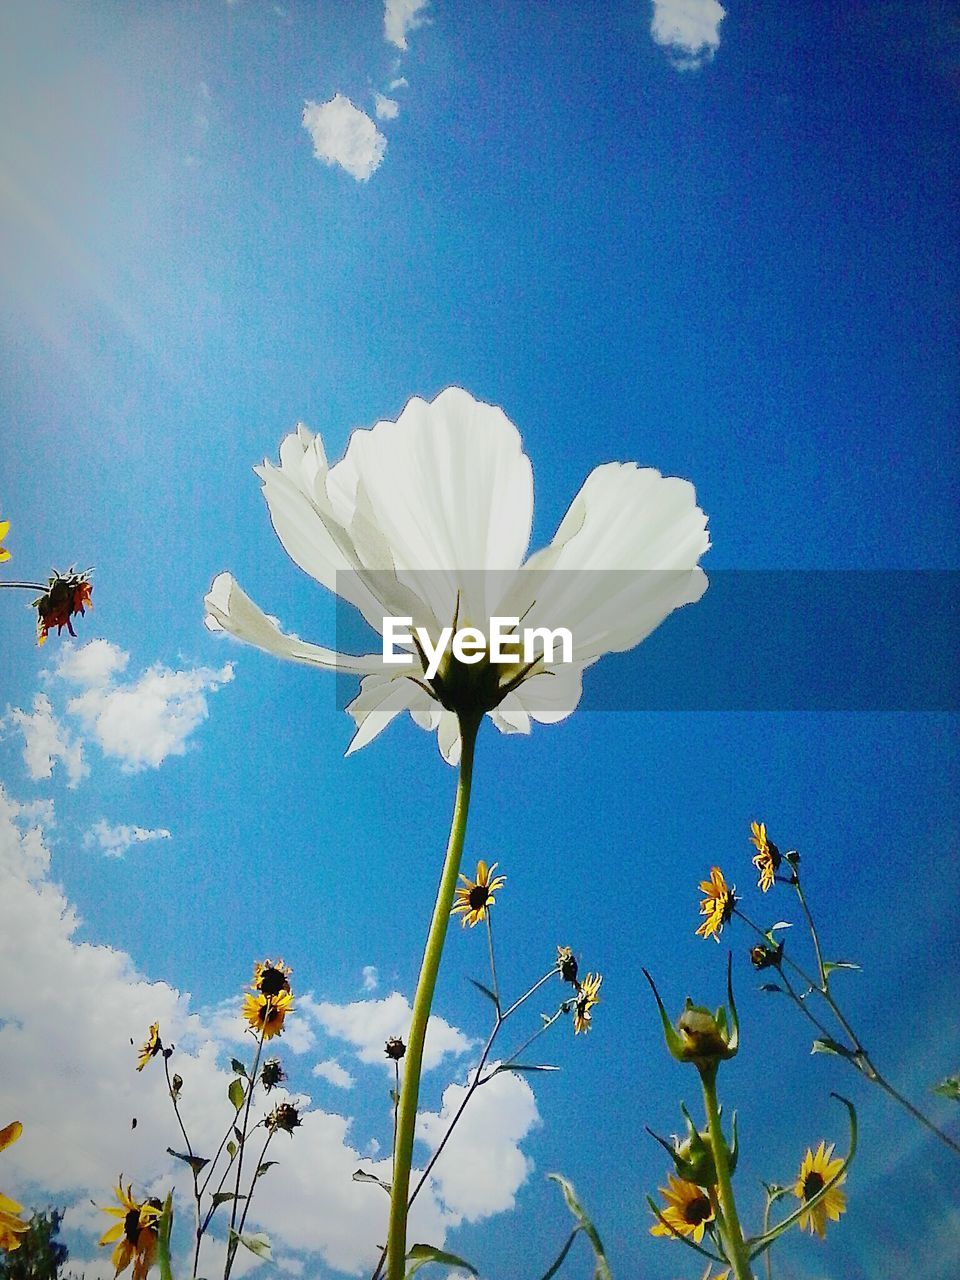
475,897
815,1172
151,1046
4,530
270,979
586,998
11,1224
688,1210
266,1013
768,859
717,906
135,1235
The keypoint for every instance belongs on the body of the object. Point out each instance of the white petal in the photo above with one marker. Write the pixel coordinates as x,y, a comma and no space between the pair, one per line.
381,699
552,695
230,609
451,490
448,738
510,716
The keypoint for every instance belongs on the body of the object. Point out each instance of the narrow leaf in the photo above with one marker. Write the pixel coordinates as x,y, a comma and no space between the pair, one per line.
221,1197
602,1270
486,991
236,1093
237,1067
949,1088
264,1167
420,1254
770,986
256,1242
781,924
826,1045
361,1175
196,1163
830,965
521,1066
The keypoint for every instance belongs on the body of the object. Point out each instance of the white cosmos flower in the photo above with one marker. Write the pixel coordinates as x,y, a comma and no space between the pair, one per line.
429,518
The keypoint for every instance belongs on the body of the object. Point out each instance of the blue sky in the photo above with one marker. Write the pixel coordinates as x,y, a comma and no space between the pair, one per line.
725,248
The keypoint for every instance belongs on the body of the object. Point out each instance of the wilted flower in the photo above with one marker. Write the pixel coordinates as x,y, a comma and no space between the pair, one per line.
267,1013
567,964
4,530
816,1171
272,1074
687,1210
284,1116
12,1225
270,979
765,957
586,998
717,906
767,860
395,1048
474,898
135,1235
429,518
67,594
151,1046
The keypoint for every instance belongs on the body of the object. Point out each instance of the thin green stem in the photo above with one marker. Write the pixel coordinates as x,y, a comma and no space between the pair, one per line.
198,1230
26,586
813,931
253,1182
232,1242
426,984
493,965
732,1235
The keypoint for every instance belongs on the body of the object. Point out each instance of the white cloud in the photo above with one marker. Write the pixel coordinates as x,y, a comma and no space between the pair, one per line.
399,83
369,1024
688,29
114,841
46,740
371,977
343,134
331,1071
387,108
482,1166
401,16
138,722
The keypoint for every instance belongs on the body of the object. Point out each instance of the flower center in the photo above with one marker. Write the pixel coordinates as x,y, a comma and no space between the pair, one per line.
697,1210
812,1183
272,981
478,896
131,1225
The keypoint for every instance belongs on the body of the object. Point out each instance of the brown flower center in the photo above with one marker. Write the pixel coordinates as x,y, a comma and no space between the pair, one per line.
812,1183
273,981
697,1210
131,1225
478,896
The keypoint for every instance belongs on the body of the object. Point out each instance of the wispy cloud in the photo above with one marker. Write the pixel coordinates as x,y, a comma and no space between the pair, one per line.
387,108
47,741
401,17
688,29
142,721
331,1071
115,840
371,977
343,134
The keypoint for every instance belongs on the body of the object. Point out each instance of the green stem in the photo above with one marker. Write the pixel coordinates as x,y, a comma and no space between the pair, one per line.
736,1249
429,968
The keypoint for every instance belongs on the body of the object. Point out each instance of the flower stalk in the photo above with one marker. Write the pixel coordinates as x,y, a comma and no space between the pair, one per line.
729,1223
426,984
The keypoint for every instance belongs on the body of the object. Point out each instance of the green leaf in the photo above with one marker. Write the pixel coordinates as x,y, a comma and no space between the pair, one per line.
826,1045
486,991
196,1163
770,986
949,1087
781,924
420,1254
237,1067
256,1242
602,1270
163,1237
521,1066
232,1149
264,1167
830,965
237,1094
221,1197
361,1175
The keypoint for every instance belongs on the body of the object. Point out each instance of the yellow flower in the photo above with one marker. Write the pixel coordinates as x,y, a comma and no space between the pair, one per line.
815,1172
151,1047
475,897
688,1210
267,1013
270,979
4,530
767,860
11,1224
586,998
135,1235
717,906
